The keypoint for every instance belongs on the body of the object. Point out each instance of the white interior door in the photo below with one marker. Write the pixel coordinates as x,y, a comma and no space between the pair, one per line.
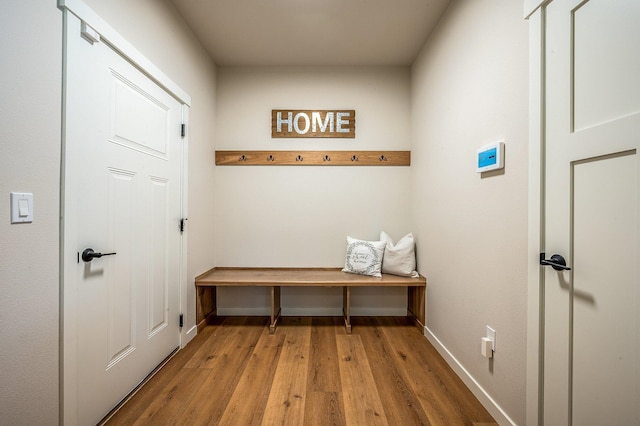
592,193
122,195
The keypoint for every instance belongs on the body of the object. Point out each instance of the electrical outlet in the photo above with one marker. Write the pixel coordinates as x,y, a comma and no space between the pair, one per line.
491,334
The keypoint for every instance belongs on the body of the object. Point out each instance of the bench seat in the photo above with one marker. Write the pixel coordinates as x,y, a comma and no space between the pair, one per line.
275,278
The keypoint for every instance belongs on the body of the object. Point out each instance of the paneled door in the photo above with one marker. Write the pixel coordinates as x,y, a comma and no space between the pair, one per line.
592,195
122,200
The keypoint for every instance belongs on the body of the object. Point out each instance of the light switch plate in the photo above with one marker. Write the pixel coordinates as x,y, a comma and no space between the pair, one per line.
21,207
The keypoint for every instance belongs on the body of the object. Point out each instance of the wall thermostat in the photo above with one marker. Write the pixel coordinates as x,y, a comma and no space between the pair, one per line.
490,157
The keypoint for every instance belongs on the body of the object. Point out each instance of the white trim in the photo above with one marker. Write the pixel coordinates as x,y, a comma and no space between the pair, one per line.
68,329
376,311
532,6
485,399
259,311
123,47
184,213
68,356
312,312
535,302
189,335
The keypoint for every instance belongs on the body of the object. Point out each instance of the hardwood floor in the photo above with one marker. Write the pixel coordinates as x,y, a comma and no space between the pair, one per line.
309,373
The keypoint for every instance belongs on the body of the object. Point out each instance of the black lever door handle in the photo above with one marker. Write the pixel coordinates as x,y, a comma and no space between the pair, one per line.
89,254
557,262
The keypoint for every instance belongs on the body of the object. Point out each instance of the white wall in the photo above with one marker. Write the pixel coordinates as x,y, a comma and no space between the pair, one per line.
30,148
30,162
467,88
155,28
301,215
470,88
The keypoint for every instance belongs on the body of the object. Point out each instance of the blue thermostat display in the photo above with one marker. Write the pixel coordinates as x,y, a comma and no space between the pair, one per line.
490,157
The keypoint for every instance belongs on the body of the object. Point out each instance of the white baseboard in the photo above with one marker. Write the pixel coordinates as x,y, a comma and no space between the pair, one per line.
485,399
358,311
311,312
189,335
256,311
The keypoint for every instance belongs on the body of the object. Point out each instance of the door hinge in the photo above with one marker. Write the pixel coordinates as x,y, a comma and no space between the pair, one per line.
181,320
183,130
89,34
182,221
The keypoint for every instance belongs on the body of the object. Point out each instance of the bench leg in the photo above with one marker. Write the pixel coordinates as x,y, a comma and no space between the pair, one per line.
206,309
346,307
275,308
416,306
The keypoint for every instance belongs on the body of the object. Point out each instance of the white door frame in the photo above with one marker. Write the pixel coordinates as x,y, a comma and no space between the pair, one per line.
111,37
535,298
535,13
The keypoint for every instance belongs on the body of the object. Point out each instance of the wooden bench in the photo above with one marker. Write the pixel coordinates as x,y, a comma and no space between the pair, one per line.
275,278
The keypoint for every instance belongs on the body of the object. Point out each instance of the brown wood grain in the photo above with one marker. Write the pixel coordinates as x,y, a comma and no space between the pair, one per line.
402,406
322,277
313,158
205,304
275,308
309,373
442,394
236,337
168,406
249,399
323,376
138,402
362,404
288,396
416,306
226,356
305,277
324,408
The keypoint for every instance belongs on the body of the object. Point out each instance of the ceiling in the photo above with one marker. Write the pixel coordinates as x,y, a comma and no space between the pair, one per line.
311,32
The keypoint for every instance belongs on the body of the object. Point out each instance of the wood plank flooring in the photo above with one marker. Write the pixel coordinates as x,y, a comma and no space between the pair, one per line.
309,373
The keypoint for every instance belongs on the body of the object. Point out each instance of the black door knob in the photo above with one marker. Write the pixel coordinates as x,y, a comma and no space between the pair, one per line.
88,254
557,262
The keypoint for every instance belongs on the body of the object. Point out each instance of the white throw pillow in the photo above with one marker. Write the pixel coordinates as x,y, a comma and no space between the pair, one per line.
399,259
364,257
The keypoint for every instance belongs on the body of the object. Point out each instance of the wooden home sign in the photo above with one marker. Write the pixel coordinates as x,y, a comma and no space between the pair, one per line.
313,124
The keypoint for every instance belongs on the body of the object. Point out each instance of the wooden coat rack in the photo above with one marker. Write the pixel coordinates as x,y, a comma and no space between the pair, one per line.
313,158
